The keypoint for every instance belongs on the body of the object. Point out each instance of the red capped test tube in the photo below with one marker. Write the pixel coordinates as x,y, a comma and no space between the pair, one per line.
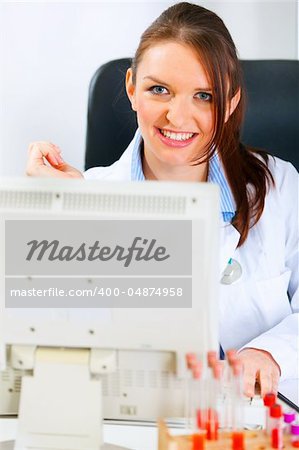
198,396
231,356
212,358
191,361
228,384
276,426
198,407
238,442
212,415
269,400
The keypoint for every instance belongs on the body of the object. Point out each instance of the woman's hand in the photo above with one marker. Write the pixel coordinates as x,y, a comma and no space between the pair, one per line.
259,367
39,153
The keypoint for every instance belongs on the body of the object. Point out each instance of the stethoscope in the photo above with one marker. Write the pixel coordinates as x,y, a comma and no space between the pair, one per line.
232,272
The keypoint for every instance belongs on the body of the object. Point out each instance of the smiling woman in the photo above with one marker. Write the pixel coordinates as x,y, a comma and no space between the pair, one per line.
174,110
185,84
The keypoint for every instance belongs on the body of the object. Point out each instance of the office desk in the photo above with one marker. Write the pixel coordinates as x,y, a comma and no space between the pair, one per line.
137,436
133,437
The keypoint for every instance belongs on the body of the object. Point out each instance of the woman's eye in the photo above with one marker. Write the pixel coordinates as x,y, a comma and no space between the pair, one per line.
158,90
204,96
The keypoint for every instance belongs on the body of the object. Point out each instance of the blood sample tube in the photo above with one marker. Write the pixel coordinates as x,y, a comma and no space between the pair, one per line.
190,362
231,356
237,406
212,419
295,435
288,418
269,400
198,397
276,426
212,358
226,418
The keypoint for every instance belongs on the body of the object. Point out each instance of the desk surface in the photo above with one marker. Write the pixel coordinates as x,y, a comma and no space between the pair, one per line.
135,437
130,436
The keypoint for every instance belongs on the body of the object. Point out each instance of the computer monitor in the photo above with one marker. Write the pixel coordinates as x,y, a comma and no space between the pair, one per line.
138,268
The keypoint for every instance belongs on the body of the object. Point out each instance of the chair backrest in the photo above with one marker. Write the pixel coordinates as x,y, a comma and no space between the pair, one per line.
271,122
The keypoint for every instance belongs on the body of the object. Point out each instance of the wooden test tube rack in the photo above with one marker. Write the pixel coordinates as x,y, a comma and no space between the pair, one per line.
254,440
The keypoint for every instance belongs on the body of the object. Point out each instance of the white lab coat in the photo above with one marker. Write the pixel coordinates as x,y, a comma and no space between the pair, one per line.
255,311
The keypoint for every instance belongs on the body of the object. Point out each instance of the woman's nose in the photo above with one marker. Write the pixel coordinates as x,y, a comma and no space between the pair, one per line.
179,114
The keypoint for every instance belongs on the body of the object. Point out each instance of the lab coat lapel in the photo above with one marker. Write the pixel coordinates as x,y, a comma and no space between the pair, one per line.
229,238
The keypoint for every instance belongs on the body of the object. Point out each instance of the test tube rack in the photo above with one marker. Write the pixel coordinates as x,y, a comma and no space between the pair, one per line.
254,440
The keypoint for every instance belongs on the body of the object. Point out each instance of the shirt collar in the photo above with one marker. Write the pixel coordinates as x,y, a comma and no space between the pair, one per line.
136,165
216,175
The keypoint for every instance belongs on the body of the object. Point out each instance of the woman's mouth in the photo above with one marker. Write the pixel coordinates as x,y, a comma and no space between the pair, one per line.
176,139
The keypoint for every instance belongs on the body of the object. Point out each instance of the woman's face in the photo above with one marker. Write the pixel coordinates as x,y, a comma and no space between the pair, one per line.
173,100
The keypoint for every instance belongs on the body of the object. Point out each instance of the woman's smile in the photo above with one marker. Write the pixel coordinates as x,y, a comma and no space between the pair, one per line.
176,139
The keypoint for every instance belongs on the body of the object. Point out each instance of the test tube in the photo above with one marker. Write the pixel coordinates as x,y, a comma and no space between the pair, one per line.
295,435
198,399
226,419
276,426
269,400
197,395
190,362
288,418
231,356
237,409
212,358
212,417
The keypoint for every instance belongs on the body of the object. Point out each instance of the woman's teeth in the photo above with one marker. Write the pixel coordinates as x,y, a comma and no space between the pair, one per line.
177,136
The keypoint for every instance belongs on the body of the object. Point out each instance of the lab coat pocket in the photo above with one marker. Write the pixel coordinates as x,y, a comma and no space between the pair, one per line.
272,295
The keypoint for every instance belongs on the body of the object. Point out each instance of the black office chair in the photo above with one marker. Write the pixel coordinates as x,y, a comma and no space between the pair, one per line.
271,123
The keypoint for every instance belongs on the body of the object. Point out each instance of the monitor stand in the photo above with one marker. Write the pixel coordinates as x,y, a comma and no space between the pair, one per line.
60,404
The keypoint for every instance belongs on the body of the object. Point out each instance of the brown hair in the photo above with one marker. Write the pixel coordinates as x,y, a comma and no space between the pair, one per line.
246,168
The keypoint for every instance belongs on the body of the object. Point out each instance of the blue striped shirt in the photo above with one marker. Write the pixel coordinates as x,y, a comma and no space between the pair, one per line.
216,175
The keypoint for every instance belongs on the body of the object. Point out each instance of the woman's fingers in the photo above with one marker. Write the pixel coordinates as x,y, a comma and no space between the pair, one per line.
56,154
44,160
41,149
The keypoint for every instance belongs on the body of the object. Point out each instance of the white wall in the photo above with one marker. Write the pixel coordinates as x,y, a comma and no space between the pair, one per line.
49,52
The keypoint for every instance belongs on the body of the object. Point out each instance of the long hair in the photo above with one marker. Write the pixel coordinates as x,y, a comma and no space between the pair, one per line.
246,168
